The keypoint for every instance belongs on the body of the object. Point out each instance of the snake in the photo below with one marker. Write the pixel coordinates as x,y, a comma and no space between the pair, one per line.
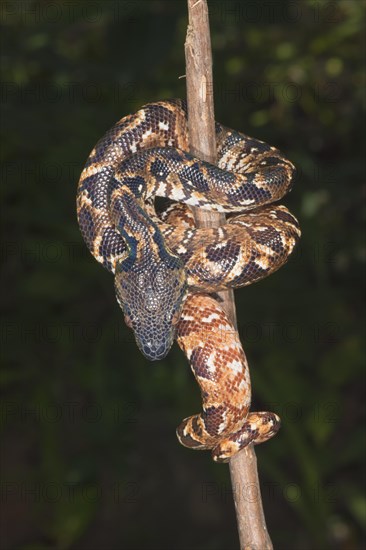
167,272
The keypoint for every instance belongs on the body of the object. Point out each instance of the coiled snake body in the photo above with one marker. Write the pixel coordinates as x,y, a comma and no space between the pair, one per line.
165,268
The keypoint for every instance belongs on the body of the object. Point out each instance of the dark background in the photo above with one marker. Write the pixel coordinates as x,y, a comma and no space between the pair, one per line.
89,454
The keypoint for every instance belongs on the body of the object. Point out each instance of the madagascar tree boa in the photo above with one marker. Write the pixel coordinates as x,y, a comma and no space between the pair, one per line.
166,269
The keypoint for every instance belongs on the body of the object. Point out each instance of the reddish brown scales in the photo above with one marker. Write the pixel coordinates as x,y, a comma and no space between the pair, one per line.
219,365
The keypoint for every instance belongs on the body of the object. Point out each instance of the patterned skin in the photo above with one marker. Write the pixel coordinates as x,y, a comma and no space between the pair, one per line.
218,362
161,262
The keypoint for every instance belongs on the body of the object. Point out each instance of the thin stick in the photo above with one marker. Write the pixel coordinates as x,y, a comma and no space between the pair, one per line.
252,528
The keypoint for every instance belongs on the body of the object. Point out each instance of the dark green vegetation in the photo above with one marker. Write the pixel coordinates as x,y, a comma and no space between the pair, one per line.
89,457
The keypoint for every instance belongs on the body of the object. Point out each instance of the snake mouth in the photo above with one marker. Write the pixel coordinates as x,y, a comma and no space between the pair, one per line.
155,352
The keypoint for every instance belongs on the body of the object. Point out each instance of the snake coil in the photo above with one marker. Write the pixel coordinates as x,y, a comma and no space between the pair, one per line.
165,268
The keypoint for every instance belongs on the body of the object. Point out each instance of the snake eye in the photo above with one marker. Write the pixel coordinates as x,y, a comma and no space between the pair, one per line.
128,321
175,318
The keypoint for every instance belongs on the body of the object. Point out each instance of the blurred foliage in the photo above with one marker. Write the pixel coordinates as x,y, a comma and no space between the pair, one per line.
89,455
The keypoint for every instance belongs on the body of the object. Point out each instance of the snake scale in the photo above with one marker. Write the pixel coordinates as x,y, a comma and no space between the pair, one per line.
166,269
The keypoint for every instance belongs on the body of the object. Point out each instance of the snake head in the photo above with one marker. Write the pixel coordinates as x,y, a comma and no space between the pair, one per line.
151,296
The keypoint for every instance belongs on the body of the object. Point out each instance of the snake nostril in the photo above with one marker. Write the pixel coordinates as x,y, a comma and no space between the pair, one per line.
162,350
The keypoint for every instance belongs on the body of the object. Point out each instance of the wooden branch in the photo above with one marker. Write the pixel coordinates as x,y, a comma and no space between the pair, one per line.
252,528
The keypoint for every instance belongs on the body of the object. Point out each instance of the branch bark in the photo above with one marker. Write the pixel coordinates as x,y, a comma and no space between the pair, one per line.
251,523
